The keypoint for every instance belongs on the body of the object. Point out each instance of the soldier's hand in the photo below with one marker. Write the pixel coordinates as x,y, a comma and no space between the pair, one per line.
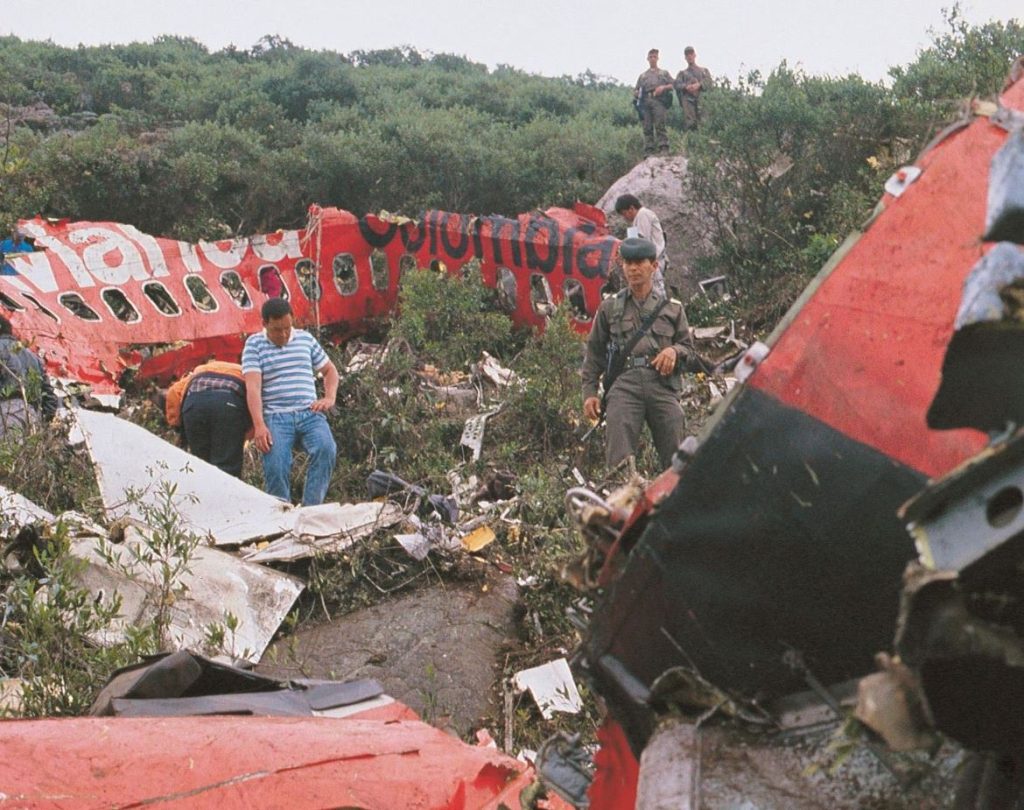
592,408
665,361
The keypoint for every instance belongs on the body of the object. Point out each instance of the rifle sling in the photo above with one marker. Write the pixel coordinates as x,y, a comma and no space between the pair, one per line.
645,325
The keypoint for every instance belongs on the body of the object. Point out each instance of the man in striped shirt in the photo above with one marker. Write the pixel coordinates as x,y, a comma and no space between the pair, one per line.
279,365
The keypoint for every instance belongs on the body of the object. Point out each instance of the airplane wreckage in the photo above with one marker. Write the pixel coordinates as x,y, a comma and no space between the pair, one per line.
98,300
768,563
769,560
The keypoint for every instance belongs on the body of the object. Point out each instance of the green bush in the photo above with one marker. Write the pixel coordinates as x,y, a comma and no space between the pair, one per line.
449,321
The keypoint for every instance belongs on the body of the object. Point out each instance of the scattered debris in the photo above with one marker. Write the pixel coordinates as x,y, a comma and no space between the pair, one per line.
473,432
10,696
501,377
564,765
326,529
552,687
478,539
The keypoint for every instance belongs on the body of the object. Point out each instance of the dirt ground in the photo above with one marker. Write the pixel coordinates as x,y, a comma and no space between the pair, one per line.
438,650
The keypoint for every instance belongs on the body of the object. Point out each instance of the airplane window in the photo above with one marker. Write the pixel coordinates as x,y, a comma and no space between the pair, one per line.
120,306
200,293
345,278
380,270
9,303
508,289
406,264
231,282
74,304
308,282
271,283
40,307
573,292
540,295
161,298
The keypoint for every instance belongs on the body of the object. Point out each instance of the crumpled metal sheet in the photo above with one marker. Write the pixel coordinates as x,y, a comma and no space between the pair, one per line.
333,528
182,684
213,584
253,762
210,502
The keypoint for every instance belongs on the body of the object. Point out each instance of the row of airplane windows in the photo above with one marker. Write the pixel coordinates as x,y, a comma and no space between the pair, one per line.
271,283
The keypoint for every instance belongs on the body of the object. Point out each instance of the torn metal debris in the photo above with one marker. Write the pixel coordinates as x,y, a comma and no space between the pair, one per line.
183,684
552,687
212,586
326,529
122,299
473,432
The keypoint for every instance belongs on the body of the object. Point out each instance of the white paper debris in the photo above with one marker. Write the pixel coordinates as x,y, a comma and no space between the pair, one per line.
552,687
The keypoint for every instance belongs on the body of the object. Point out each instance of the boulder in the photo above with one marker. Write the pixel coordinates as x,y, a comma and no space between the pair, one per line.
659,182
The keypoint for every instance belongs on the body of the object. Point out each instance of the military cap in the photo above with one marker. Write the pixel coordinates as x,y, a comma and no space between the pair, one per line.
637,249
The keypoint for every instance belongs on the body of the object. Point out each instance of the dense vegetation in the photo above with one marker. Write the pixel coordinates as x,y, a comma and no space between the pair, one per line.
183,142
190,143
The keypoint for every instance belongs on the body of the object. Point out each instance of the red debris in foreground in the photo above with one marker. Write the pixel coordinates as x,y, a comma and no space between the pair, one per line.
252,762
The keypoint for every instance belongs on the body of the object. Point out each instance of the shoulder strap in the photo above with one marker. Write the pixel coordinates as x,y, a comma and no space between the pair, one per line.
644,326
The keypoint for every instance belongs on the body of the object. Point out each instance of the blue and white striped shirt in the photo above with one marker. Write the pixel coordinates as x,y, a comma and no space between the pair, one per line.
288,381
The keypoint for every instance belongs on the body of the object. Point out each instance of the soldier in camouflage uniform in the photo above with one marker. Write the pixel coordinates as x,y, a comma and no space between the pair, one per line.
648,388
689,84
650,91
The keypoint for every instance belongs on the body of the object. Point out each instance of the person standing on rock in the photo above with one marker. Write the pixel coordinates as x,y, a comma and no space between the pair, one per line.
642,376
643,222
653,96
690,84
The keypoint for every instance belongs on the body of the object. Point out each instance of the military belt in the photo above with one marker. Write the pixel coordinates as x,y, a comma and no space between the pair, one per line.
638,361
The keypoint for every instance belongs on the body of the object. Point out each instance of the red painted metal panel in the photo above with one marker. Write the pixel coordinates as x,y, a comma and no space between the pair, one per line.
616,771
92,265
250,762
865,352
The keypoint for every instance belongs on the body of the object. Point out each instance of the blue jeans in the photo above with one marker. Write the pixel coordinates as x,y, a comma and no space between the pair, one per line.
310,430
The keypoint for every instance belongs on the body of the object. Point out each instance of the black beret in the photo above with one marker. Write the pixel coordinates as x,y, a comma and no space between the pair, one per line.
636,248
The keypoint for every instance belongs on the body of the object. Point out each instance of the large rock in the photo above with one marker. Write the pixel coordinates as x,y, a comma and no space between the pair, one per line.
660,184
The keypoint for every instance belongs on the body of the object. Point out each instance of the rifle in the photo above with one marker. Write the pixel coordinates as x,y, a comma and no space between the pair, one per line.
615,362
638,103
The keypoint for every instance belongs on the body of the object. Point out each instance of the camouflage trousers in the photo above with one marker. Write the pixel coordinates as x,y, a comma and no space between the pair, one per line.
655,131
640,396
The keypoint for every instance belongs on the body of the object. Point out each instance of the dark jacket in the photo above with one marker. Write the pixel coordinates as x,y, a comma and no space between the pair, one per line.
22,376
